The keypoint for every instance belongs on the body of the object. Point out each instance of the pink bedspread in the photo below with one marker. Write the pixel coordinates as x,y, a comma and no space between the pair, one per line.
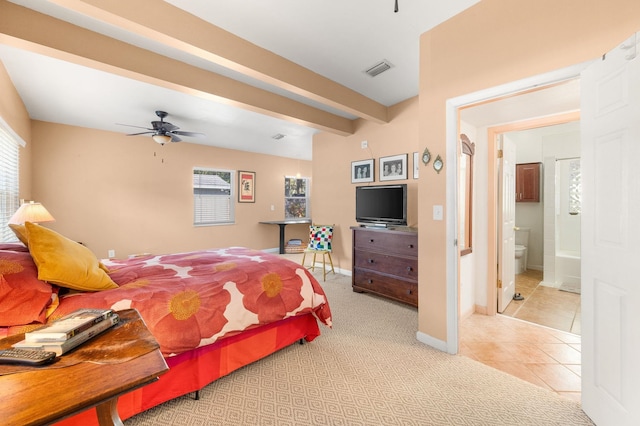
192,299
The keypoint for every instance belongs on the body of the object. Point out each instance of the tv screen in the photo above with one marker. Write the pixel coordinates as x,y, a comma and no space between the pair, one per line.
382,205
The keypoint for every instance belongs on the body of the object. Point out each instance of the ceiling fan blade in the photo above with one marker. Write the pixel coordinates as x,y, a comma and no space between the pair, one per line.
174,138
141,133
131,125
193,134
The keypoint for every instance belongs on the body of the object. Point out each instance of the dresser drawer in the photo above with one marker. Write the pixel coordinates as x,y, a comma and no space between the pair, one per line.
393,288
402,243
402,267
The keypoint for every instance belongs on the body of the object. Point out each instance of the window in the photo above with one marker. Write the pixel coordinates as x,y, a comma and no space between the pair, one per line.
296,198
213,196
575,187
9,179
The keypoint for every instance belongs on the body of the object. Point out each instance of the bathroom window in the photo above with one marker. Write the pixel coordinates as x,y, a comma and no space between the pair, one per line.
575,187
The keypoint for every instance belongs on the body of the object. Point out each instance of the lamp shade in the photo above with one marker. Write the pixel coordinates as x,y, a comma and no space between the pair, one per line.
31,212
161,139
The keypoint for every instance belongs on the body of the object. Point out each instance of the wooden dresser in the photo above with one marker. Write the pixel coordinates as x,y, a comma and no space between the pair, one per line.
385,262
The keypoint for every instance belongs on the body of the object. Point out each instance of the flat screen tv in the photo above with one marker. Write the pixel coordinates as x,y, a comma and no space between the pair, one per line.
381,205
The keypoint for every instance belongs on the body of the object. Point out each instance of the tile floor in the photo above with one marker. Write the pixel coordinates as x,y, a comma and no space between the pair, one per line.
545,305
545,356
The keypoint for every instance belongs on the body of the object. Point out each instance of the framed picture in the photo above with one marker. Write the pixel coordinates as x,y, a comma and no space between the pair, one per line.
393,168
416,165
246,187
362,171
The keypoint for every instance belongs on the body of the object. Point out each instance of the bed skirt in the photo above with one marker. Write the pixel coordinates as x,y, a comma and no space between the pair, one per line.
193,370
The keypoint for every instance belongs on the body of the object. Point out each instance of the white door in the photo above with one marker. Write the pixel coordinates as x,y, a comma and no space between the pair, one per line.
507,219
610,117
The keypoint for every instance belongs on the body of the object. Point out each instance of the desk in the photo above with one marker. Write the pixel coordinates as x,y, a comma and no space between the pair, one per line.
282,224
126,357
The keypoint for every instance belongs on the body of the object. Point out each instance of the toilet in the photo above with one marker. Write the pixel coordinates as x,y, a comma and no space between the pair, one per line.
521,243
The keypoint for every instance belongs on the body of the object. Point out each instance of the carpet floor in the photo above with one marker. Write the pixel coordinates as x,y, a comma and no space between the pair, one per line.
369,369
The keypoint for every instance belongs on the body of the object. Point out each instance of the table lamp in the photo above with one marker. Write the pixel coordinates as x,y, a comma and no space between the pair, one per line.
31,212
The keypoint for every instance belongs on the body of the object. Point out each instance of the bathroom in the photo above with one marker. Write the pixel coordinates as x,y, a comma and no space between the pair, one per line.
548,232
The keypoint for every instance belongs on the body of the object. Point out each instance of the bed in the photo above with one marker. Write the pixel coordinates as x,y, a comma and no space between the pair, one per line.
211,311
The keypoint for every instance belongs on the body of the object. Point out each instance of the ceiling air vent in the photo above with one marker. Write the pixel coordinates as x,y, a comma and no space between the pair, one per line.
378,68
277,136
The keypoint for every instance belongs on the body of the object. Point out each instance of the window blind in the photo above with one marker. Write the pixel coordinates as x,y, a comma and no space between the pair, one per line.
9,180
213,196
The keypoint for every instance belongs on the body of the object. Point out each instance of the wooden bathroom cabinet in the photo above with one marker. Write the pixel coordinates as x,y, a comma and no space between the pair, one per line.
528,182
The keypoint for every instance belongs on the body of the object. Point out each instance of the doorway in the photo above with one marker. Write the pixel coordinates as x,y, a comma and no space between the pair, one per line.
547,281
609,128
478,120
551,120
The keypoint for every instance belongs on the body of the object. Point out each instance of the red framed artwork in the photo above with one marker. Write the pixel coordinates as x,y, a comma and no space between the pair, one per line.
246,187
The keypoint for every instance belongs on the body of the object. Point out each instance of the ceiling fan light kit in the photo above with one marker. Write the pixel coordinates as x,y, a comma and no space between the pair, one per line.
161,139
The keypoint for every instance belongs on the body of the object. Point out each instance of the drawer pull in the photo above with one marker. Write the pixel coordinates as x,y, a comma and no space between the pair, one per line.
370,281
409,269
370,260
410,246
409,291
371,240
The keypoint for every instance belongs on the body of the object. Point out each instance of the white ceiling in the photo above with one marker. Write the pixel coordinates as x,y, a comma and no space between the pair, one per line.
334,38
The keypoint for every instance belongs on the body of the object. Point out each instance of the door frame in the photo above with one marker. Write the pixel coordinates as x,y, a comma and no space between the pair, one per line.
452,132
492,134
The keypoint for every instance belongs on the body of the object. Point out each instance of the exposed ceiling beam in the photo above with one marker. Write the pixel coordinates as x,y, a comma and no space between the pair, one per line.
162,22
24,28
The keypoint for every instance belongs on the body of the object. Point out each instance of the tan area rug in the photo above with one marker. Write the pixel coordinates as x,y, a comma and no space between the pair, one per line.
368,370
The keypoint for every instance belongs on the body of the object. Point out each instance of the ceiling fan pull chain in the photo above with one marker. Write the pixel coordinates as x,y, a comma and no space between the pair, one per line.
396,8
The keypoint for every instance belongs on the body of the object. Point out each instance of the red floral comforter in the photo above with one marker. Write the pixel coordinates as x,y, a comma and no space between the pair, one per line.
193,299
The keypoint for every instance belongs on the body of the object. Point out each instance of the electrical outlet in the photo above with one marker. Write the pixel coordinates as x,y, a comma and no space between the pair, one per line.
364,144
273,207
112,254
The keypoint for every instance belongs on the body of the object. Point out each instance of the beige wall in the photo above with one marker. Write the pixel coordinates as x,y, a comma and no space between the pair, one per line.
144,204
492,43
15,115
132,195
332,191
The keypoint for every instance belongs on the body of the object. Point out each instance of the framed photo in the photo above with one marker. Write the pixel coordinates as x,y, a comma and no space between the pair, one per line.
246,187
416,165
362,171
393,168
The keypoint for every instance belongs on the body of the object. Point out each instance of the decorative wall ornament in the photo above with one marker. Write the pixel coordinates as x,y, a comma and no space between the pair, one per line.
426,156
438,164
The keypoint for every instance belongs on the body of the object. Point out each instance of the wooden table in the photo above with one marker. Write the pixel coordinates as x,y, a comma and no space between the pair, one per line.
95,374
282,224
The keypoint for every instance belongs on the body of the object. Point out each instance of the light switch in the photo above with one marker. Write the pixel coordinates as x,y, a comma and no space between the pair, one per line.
437,212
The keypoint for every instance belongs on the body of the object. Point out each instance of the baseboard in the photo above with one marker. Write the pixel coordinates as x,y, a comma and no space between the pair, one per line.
481,310
431,341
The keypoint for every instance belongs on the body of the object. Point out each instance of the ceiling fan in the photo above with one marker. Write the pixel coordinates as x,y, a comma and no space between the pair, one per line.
163,131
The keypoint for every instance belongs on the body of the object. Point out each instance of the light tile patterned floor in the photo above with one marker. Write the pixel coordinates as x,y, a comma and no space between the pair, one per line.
545,305
545,356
